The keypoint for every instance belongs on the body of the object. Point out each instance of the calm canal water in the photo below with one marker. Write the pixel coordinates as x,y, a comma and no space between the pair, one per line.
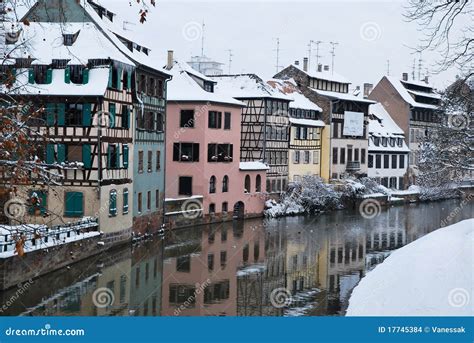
231,269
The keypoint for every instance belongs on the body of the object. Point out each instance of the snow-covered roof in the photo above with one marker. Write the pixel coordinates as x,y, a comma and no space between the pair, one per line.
384,126
111,30
418,83
342,96
247,86
256,165
307,122
425,94
97,85
184,88
324,75
400,88
45,42
290,88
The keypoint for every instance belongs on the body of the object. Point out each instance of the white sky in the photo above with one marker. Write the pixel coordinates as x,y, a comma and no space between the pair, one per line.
368,32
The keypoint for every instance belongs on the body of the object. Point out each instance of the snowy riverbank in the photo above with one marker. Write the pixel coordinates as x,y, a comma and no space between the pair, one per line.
433,276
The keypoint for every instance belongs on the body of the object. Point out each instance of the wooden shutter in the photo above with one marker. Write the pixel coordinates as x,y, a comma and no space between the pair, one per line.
113,203
125,201
87,156
119,78
67,75
61,153
129,80
111,71
49,76
86,115
50,154
74,204
112,115
61,114
125,156
31,75
50,115
109,156
85,76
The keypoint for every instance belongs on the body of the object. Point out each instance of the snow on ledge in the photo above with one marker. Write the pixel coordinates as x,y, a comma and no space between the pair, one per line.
431,276
307,122
253,166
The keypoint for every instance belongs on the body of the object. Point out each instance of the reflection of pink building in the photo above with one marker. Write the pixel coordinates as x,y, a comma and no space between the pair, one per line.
202,280
203,153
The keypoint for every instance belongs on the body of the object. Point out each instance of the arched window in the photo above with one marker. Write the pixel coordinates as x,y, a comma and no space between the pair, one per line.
225,184
247,184
212,184
258,183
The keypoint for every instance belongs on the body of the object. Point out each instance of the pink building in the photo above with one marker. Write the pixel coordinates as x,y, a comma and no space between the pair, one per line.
205,180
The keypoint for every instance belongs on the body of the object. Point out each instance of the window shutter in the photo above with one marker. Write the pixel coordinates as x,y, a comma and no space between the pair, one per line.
111,70
117,154
129,80
86,115
86,156
74,204
112,113
119,78
125,201
49,76
176,156
113,203
125,117
109,156
61,114
61,153
50,116
67,75
85,76
125,156
31,75
50,153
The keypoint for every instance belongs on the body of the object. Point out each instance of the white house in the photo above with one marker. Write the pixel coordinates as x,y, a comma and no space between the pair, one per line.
388,152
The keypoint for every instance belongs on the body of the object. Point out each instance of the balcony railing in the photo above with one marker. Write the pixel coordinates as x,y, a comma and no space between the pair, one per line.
353,166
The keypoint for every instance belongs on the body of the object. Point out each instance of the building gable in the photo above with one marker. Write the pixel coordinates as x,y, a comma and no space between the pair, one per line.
57,11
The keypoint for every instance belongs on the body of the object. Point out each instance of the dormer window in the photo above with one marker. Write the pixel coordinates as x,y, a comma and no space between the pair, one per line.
392,141
209,87
384,141
77,74
400,142
41,75
70,38
376,141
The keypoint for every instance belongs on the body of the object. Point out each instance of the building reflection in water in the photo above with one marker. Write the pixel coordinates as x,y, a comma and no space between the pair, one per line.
231,269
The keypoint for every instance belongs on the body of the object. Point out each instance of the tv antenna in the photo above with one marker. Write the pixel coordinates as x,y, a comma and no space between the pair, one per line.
388,67
230,59
333,54
310,46
278,66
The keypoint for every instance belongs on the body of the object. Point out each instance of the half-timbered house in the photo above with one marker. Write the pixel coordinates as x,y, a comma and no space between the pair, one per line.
412,104
83,84
206,180
347,115
264,125
305,132
149,85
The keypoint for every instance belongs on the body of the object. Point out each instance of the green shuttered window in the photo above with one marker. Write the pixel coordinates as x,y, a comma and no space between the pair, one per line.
125,156
125,201
113,203
74,204
87,156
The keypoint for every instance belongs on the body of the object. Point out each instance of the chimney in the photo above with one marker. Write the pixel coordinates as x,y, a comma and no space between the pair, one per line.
367,89
326,68
297,63
405,76
320,67
305,64
169,65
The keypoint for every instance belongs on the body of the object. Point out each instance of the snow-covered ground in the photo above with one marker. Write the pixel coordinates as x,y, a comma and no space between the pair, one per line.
432,276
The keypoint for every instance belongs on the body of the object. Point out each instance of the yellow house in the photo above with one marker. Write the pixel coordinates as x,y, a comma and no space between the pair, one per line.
306,132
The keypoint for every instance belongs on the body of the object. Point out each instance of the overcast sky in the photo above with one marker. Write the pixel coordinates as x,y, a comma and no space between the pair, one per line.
368,32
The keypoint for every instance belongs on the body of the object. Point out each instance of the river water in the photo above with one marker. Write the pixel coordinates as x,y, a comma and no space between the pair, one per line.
287,267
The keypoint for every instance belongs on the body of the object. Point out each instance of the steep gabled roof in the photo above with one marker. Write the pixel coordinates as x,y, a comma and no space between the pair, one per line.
247,86
290,88
407,97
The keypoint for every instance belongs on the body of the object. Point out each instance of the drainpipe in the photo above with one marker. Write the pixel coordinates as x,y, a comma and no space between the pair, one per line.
164,150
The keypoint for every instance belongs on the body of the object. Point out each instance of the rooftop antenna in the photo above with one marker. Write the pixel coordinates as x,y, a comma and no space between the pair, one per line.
202,38
413,69
388,67
317,51
230,59
420,63
278,55
333,54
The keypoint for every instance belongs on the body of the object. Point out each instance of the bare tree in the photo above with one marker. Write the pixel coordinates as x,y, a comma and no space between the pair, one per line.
448,27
